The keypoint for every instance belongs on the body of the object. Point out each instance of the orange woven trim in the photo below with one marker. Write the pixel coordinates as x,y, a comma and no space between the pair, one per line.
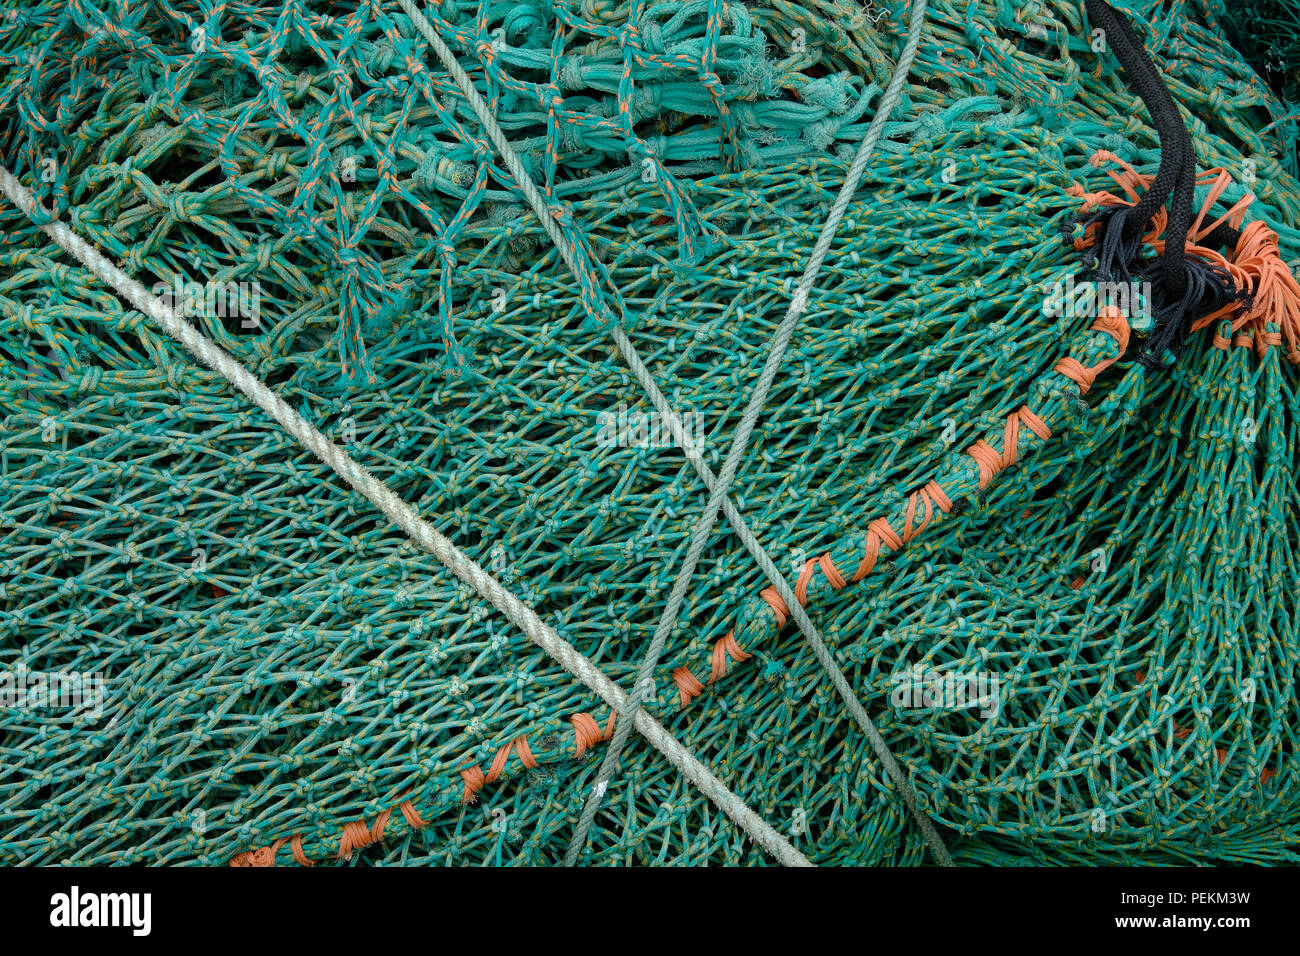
880,535
1112,322
723,649
921,503
413,818
989,461
356,835
588,733
688,687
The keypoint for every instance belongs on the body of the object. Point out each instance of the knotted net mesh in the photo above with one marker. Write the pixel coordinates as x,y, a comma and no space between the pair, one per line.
274,661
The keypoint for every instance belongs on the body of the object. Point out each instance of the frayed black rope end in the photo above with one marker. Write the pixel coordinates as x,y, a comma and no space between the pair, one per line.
1113,257
1207,289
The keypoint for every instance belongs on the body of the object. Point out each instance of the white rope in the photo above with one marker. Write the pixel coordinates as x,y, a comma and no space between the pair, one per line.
405,517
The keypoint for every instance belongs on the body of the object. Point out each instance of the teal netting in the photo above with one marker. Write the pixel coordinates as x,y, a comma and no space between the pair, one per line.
278,661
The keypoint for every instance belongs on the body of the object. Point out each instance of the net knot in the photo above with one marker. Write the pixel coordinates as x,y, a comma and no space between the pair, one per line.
931,125
340,77
349,257
178,209
90,379
446,252
646,101
644,39
551,97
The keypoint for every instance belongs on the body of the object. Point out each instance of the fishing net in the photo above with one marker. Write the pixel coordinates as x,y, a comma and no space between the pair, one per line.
1267,32
286,678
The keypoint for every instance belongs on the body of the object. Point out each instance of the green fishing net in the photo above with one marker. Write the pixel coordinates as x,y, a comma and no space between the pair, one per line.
262,656
1267,32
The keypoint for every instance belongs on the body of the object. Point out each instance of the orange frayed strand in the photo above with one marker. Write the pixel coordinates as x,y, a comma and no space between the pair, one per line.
1274,292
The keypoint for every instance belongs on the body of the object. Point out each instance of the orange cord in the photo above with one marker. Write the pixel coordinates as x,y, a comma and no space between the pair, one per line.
587,731
881,536
989,461
356,835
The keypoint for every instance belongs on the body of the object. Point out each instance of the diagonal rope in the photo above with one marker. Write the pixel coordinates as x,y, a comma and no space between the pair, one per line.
718,487
402,514
740,440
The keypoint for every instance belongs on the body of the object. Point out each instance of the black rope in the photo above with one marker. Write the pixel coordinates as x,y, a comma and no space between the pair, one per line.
1183,286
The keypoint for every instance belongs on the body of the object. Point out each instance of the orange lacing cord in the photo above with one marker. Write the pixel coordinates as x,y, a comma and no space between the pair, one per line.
689,686
1111,320
1130,180
356,835
588,733
476,780
989,461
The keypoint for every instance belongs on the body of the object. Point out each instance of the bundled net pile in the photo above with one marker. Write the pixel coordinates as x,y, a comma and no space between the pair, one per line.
279,662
